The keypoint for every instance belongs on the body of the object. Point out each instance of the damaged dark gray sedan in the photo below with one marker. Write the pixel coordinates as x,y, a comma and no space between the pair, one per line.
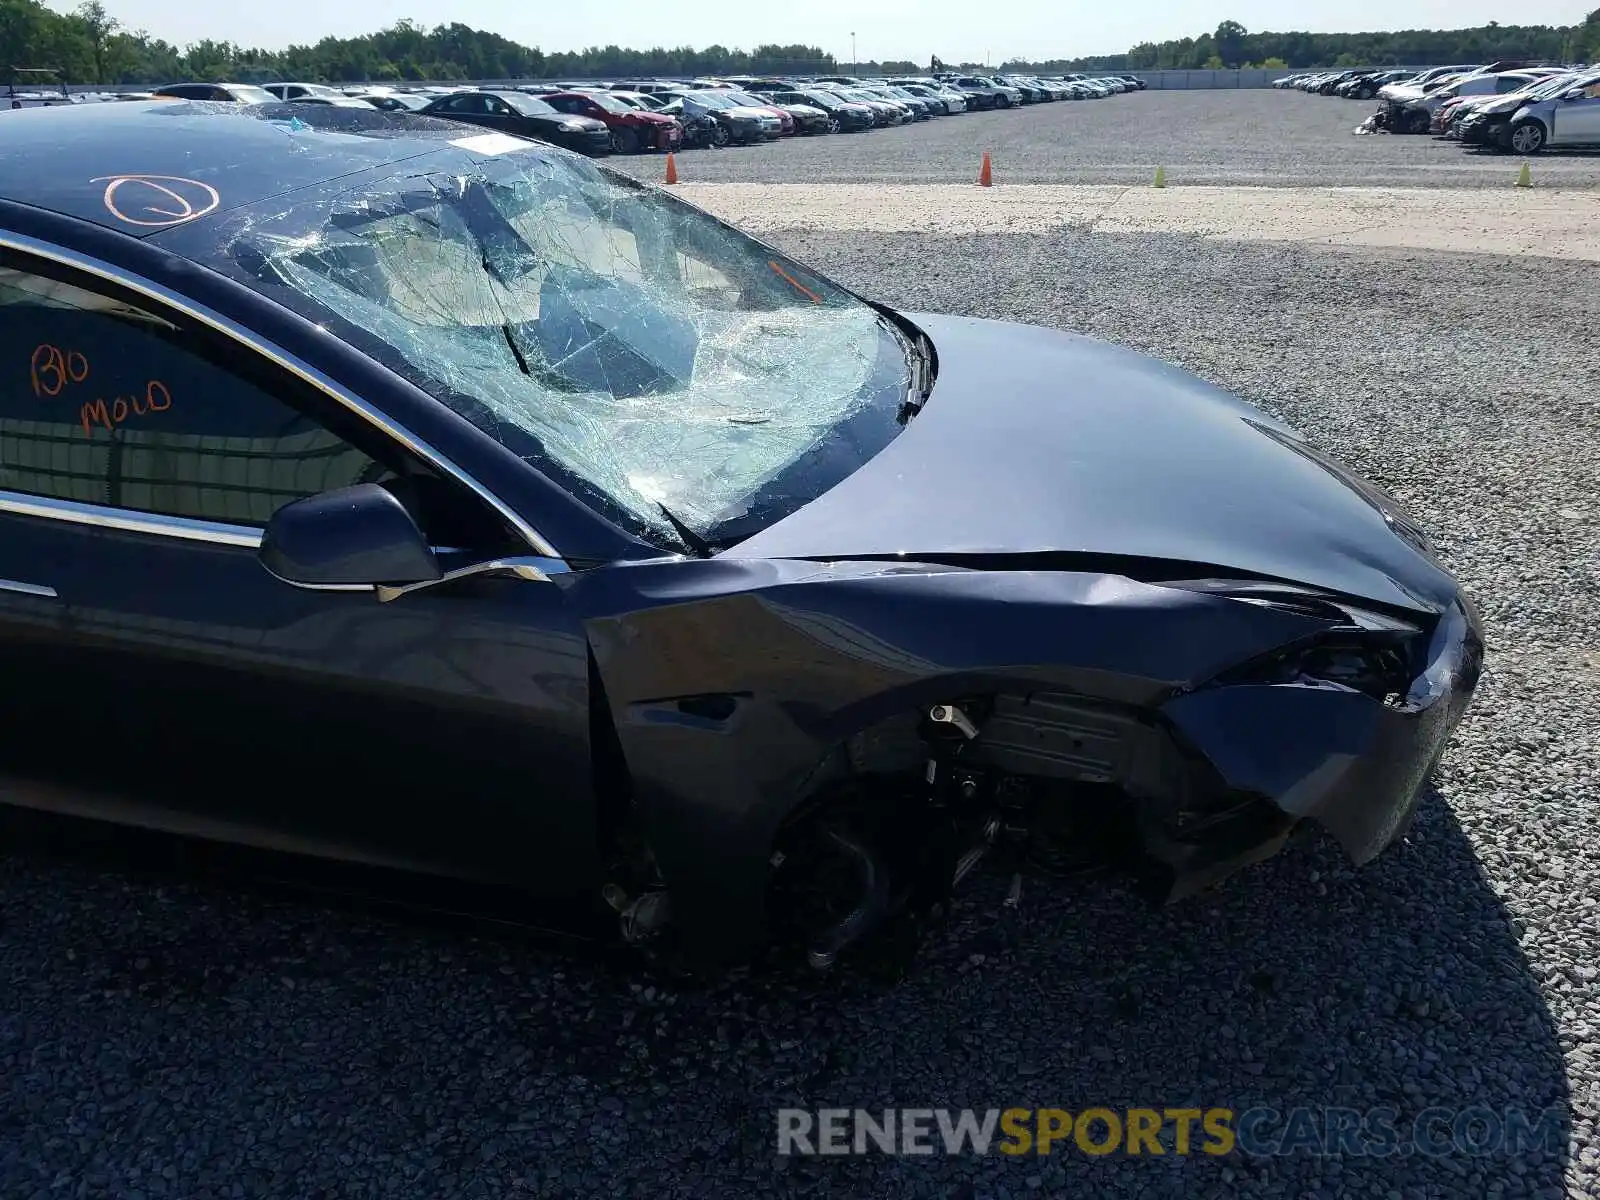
388,492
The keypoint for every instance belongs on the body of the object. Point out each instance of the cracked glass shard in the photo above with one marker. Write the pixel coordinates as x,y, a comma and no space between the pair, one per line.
627,343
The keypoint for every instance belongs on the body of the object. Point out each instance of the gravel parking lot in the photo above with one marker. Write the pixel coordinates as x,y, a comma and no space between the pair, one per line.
1262,137
167,1037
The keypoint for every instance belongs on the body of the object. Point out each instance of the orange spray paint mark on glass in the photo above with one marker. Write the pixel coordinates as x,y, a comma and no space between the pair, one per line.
50,369
794,283
156,399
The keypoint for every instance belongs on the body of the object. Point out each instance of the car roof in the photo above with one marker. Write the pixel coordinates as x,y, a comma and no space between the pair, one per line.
134,165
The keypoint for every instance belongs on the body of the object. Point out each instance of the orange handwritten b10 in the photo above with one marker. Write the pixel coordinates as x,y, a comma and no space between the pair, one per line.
50,369
156,399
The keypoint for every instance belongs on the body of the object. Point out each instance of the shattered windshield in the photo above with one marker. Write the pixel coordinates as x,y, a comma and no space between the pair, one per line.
1542,88
650,358
1563,83
608,102
247,94
528,106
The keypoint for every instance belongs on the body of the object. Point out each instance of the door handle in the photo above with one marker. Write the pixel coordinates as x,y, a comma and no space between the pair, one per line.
28,589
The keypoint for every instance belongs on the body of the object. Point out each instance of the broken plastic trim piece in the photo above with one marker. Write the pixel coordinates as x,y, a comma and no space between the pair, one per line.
867,913
949,714
696,544
534,570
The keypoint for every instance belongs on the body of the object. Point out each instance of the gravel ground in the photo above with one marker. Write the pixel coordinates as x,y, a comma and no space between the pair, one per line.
1260,137
161,1037
1546,222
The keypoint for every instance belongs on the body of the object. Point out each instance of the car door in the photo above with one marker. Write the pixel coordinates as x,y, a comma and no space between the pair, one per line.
158,673
500,115
1576,121
473,109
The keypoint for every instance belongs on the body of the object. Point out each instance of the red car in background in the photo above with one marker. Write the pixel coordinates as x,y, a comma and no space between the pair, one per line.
785,119
632,129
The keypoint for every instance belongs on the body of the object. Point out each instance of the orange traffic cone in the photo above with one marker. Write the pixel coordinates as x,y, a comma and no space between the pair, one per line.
672,169
985,178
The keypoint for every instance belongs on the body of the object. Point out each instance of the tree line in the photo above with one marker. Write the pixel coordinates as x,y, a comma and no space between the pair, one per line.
90,46
1231,45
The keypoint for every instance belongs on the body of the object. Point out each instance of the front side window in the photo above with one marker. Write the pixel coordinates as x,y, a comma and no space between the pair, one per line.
530,106
246,94
639,351
104,403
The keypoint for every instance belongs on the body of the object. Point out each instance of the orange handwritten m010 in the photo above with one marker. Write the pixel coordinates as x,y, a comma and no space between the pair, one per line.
50,369
156,399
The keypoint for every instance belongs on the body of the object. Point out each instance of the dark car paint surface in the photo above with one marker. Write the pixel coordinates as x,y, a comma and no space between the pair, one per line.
1106,452
1037,529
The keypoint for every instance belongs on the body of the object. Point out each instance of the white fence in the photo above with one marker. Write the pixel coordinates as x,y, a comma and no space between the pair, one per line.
1157,80
1210,79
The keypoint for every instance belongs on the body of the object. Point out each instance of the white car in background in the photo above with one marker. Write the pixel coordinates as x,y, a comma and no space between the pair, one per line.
1426,81
36,87
299,91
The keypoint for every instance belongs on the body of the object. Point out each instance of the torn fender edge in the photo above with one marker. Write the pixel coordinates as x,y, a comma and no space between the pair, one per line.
1350,763
801,656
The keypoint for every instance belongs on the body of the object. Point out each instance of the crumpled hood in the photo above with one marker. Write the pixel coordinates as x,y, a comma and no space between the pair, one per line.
1502,104
1400,93
1035,441
1431,102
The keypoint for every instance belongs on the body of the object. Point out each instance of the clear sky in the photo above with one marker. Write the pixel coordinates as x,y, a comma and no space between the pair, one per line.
884,29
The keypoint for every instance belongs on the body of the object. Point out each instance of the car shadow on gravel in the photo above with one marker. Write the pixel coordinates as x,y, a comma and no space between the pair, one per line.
1397,993
471,1060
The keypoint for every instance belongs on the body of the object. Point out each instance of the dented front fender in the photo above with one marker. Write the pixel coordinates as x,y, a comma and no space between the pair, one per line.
729,682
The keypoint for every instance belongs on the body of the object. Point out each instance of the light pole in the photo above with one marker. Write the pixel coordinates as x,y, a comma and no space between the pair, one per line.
852,52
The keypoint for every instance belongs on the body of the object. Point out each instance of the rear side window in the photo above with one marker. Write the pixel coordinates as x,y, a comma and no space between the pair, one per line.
103,403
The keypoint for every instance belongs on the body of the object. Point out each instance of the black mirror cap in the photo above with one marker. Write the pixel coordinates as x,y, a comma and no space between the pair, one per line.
353,535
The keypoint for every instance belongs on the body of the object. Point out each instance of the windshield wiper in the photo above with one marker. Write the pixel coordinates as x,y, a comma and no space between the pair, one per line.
696,544
918,359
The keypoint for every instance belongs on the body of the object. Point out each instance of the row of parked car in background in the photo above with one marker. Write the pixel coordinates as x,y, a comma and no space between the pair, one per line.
1511,106
636,116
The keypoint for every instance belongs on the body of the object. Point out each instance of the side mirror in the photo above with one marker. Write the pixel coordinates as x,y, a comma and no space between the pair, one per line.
354,536
1575,94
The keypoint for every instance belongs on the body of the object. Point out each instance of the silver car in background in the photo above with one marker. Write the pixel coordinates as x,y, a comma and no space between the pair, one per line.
1569,118
953,101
